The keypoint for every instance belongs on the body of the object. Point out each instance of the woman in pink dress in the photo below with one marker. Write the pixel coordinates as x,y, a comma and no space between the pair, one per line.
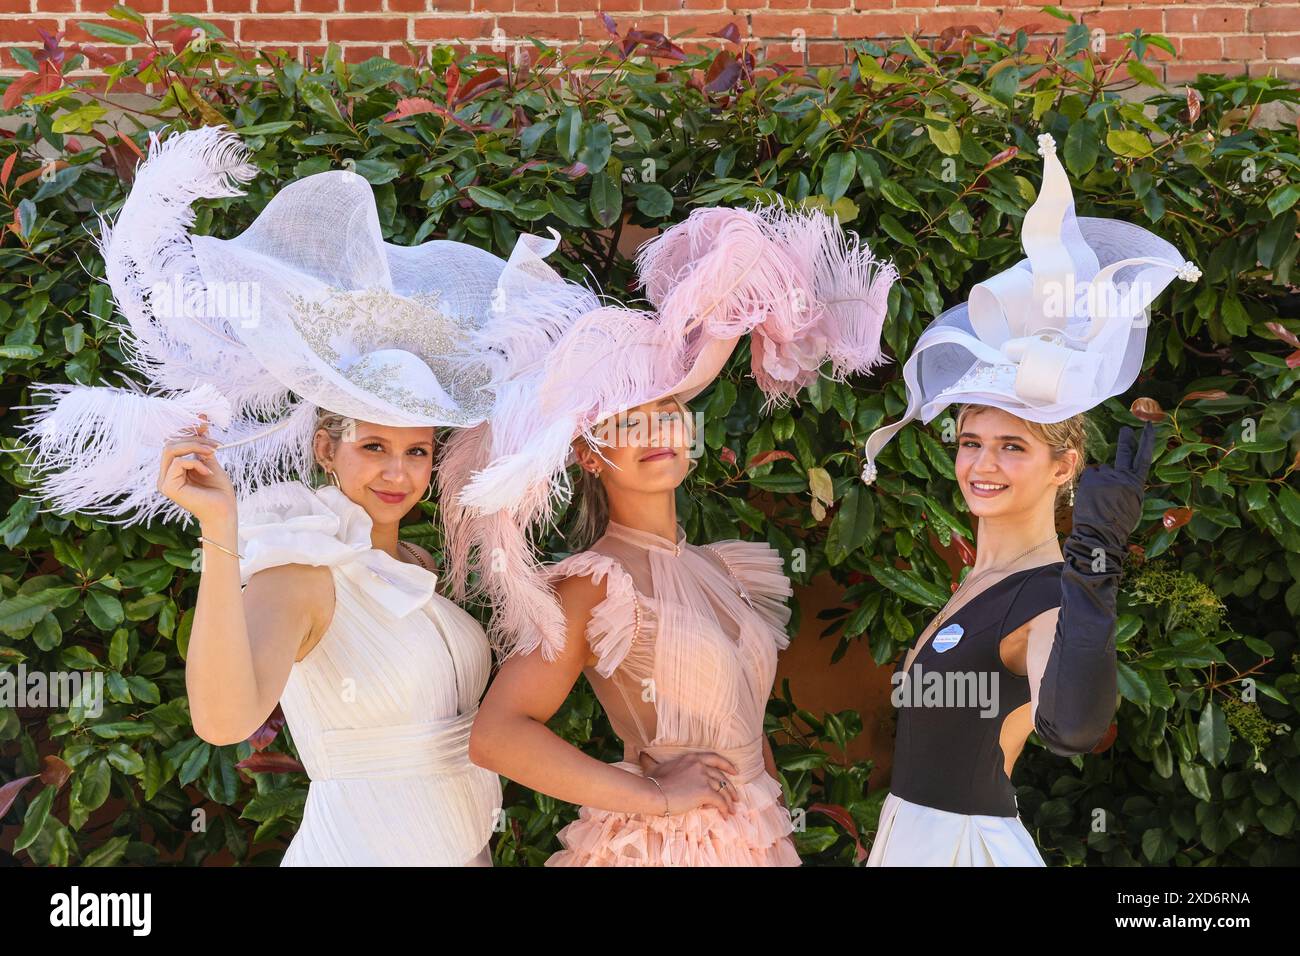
678,641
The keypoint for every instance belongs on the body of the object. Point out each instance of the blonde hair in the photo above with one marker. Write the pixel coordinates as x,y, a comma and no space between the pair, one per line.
1060,437
335,425
592,503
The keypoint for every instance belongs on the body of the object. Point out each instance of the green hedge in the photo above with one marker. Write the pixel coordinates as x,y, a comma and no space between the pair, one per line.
927,151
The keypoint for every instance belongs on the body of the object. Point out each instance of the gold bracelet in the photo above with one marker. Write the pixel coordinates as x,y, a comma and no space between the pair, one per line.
223,548
661,793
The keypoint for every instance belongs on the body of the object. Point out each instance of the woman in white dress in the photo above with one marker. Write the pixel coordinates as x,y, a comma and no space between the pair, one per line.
307,340
378,675
1027,642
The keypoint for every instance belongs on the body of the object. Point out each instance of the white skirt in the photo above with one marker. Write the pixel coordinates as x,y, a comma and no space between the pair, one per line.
913,835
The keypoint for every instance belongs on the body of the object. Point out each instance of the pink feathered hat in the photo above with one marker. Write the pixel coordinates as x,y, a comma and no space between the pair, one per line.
563,361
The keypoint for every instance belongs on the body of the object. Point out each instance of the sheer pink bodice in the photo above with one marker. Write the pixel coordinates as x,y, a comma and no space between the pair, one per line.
686,642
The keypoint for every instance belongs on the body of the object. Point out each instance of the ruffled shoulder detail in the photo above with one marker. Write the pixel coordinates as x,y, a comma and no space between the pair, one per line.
619,619
759,573
289,523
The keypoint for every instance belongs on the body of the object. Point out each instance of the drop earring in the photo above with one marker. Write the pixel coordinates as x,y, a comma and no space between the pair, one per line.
1072,493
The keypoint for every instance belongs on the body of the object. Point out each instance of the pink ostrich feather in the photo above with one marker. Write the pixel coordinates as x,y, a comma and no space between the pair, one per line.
491,557
724,272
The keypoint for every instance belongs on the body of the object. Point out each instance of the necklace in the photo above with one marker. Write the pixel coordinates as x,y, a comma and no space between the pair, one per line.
410,549
965,585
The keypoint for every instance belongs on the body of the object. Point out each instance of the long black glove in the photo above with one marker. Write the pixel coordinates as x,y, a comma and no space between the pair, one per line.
1076,697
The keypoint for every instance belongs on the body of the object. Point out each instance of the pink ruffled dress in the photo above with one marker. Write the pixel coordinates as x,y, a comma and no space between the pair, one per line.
686,641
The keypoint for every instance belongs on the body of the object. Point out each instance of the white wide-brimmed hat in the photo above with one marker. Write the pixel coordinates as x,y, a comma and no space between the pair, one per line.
1052,336
307,309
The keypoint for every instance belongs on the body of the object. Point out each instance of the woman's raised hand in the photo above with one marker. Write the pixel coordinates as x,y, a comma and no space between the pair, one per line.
199,485
1108,503
694,780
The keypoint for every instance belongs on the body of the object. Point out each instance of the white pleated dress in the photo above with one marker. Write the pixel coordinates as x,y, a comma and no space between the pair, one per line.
910,834
380,709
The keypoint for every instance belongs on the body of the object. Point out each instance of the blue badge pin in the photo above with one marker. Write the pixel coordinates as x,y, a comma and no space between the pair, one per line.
947,638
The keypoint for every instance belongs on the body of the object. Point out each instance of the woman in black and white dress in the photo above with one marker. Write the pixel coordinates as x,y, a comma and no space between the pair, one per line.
1027,642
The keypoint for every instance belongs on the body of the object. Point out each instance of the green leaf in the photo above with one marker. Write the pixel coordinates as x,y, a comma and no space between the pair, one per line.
907,585
490,198
652,200
109,853
945,135
1081,148
1283,198
837,175
38,811
1212,734
1194,778
1143,74
606,199
852,523
896,195
568,132
80,120
101,31
1127,142
104,610
1131,685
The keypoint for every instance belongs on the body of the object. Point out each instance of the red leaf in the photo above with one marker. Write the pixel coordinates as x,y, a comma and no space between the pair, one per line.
531,164
611,27
7,169
51,79
270,762
1193,105
729,32
1107,739
9,792
453,83
964,550
845,819
411,106
1293,360
723,73
576,171
180,39
1176,517
33,173
1005,156
14,92
50,51
727,455
1283,333
265,735
481,83
1148,410
762,458
1207,393
97,56
55,773
130,143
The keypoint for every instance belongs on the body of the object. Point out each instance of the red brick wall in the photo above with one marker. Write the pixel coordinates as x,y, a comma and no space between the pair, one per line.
1227,36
